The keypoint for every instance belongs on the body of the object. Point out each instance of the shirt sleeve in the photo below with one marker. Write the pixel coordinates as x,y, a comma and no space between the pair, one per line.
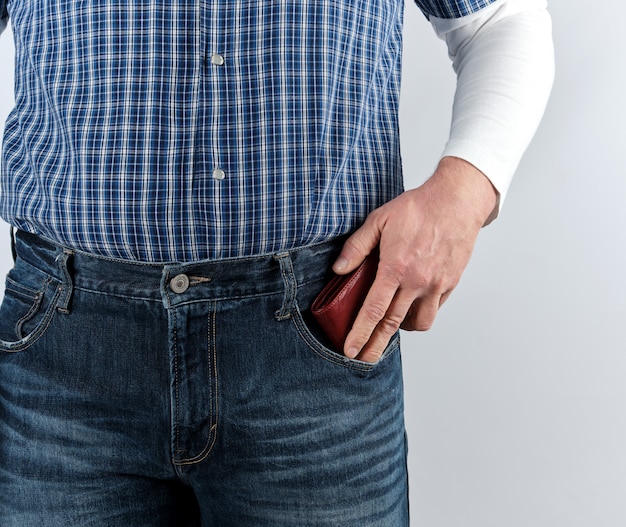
451,8
504,60
4,15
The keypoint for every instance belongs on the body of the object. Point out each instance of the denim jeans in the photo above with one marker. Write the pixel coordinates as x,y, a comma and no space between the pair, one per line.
189,394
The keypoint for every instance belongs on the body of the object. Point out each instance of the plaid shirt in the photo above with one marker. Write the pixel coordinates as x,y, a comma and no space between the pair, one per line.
180,131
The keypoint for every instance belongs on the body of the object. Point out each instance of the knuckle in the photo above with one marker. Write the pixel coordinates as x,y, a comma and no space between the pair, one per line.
389,325
421,282
401,274
438,285
374,313
374,215
407,272
355,246
396,269
431,283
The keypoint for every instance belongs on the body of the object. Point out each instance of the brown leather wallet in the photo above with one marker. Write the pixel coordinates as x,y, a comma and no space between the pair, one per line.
336,306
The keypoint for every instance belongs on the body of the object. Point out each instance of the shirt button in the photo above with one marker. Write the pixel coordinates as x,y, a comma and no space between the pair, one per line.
219,174
180,283
217,60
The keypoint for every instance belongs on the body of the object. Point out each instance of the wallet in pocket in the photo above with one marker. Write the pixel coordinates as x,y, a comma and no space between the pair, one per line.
336,306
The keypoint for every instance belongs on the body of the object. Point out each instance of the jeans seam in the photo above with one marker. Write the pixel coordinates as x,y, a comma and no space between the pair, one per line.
290,286
12,285
214,402
202,300
67,287
28,341
333,357
118,295
33,309
175,409
329,356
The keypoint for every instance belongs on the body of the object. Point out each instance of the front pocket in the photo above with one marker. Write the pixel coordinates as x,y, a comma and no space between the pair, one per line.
27,308
310,332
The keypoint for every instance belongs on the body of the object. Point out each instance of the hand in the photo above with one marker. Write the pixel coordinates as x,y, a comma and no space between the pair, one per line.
425,237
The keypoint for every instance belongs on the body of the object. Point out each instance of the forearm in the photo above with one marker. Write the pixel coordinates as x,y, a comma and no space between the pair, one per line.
504,61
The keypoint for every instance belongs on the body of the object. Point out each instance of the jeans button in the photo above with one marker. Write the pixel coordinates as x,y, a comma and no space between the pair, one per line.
180,283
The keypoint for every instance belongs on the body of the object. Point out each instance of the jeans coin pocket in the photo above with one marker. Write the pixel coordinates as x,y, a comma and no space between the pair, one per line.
27,307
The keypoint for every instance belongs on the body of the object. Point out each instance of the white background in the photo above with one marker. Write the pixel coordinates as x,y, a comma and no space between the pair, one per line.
516,399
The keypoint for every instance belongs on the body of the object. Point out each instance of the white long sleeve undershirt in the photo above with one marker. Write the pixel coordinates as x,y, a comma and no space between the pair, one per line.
504,59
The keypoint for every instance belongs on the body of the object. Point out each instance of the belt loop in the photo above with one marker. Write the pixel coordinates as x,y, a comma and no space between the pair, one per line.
63,261
13,249
291,286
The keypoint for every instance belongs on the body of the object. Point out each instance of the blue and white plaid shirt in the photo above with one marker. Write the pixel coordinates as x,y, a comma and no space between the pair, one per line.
179,131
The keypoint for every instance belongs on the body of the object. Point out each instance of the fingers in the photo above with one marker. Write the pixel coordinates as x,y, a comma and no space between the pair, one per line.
390,306
372,332
422,313
377,322
396,291
425,238
358,246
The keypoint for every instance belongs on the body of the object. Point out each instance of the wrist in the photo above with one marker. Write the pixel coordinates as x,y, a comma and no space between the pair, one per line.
469,186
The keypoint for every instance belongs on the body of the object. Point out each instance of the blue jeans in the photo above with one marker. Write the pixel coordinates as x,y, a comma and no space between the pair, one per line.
189,394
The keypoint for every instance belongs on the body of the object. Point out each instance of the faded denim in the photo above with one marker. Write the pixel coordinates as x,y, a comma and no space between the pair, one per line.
189,394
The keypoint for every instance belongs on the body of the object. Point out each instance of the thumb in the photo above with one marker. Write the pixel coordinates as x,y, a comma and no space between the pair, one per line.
361,243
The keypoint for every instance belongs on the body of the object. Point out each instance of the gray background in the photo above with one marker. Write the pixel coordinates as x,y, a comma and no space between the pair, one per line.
515,399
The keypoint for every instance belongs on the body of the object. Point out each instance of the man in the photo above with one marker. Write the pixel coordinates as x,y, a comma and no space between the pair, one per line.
182,176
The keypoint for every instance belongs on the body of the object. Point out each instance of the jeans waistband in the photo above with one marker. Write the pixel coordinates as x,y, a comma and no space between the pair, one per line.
179,283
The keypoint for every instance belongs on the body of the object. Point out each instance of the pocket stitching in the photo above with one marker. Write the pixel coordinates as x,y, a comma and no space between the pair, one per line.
38,298
27,292
332,356
27,341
